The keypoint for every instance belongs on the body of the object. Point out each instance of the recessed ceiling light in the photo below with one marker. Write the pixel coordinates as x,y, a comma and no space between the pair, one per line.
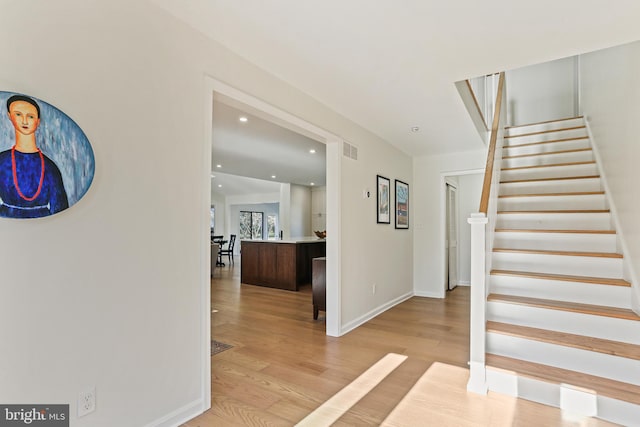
243,119
218,166
312,151
312,183
415,129
273,176
213,176
219,185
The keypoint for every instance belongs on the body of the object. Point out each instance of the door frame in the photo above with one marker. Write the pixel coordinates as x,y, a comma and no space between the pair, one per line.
213,89
443,219
447,252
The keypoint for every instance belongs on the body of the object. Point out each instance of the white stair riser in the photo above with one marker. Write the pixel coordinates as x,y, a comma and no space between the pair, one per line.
575,359
540,127
558,290
559,264
564,321
619,412
616,411
556,241
544,187
555,221
548,159
542,203
589,169
550,136
571,144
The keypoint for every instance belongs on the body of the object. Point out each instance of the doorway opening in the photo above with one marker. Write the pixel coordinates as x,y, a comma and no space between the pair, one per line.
460,196
451,241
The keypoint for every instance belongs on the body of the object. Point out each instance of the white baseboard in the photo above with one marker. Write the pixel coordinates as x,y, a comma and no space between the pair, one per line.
429,294
180,415
464,283
350,326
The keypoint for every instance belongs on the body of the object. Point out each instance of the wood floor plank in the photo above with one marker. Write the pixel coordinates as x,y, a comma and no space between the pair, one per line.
283,366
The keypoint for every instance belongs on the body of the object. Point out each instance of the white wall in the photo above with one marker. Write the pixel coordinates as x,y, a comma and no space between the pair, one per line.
610,97
318,208
218,200
542,92
300,211
469,192
108,293
373,254
429,214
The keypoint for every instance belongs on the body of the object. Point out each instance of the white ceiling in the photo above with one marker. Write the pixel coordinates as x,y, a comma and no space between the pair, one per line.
260,149
389,65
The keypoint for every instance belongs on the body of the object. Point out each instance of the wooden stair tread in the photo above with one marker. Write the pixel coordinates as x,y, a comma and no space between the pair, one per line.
550,166
564,178
597,310
562,253
557,211
599,345
577,150
532,230
563,277
551,141
546,131
602,386
576,193
544,122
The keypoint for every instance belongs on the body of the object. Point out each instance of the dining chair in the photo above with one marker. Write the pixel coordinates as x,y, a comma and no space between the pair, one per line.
229,251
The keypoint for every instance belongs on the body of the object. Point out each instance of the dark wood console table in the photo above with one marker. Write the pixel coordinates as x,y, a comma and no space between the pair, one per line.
319,285
282,264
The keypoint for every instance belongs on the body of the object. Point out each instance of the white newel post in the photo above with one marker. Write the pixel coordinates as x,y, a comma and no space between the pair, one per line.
477,376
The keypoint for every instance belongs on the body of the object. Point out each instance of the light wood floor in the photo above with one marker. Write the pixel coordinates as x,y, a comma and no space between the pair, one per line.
283,366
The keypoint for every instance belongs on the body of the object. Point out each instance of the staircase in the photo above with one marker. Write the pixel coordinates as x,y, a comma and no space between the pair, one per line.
560,330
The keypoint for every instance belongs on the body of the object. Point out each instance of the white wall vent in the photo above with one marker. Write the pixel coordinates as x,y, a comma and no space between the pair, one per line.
350,151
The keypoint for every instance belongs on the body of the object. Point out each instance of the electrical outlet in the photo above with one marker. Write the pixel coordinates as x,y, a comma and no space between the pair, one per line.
86,401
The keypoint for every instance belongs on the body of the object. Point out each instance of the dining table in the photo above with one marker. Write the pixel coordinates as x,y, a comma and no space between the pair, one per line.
221,243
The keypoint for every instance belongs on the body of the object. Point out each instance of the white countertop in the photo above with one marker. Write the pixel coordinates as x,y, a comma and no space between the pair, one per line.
305,239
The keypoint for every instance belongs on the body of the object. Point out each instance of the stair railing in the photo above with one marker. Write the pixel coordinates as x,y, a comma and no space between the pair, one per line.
482,230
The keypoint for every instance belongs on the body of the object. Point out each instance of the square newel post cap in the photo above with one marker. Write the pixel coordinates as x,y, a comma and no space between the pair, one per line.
477,218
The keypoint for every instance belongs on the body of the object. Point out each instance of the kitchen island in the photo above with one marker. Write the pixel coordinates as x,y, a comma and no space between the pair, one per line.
282,264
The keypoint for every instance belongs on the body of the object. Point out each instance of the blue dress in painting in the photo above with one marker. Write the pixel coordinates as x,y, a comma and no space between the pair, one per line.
36,194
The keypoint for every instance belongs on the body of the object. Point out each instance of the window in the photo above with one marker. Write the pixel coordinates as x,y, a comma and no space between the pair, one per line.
213,219
272,226
251,225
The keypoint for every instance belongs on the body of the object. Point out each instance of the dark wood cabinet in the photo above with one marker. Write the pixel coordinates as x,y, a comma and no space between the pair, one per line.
278,264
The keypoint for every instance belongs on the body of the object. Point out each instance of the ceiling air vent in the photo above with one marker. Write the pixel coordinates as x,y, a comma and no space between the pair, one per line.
350,151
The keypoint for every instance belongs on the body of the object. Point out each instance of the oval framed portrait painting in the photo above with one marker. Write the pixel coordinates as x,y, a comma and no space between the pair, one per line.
46,160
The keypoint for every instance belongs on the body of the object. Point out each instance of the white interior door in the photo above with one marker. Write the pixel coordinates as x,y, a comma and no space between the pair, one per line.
452,237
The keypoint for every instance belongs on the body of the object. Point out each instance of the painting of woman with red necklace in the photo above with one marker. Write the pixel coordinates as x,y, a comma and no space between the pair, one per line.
31,183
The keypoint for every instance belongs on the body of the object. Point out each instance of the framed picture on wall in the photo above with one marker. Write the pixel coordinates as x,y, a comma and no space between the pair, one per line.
402,204
383,199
